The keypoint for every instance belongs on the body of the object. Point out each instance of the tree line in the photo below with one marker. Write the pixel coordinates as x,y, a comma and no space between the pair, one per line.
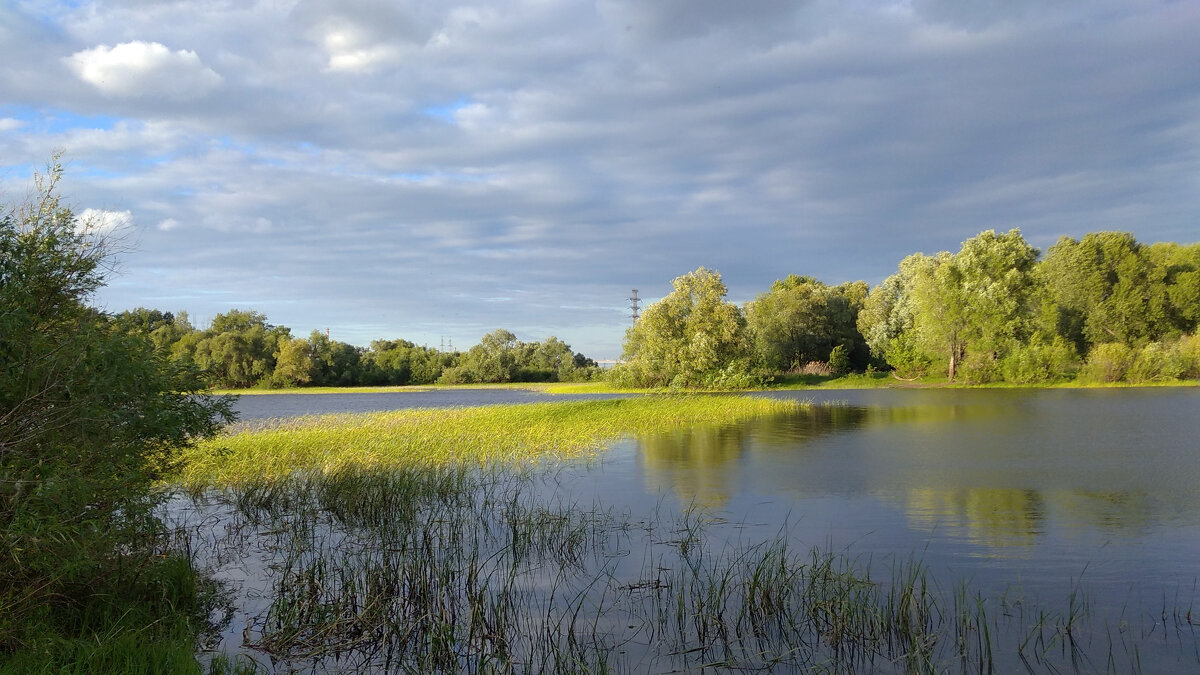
241,349
1104,308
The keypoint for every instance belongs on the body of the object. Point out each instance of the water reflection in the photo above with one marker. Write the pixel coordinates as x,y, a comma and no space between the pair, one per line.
992,518
702,466
1000,472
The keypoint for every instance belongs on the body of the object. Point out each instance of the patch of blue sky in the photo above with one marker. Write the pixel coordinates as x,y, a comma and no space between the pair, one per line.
447,111
56,120
50,14
23,171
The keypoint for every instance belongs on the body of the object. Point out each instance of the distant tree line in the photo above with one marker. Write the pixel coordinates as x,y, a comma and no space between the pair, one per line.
1105,308
241,349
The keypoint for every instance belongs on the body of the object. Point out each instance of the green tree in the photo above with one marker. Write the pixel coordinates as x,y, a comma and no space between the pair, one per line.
1108,288
940,309
688,337
494,359
802,320
979,301
91,414
334,363
238,349
293,364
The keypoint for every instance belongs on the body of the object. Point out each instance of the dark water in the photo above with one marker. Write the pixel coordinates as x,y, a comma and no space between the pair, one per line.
1043,497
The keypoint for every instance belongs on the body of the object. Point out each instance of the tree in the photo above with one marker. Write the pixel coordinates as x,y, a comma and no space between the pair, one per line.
90,416
494,359
238,349
802,320
886,321
689,336
940,309
1107,288
293,364
334,363
978,301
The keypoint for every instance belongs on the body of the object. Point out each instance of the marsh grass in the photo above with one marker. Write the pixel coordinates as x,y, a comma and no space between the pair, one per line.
443,541
508,435
456,569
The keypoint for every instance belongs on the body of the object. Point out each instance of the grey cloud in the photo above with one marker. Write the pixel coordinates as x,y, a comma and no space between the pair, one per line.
822,137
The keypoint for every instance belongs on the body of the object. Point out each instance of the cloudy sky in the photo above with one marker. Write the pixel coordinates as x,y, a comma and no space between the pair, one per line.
434,170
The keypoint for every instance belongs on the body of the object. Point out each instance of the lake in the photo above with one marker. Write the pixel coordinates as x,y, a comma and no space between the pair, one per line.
1043,498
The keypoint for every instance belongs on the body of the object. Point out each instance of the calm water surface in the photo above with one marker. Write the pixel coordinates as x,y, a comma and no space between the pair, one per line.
1032,494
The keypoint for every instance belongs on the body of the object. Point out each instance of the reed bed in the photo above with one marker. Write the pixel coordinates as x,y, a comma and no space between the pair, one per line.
509,435
447,541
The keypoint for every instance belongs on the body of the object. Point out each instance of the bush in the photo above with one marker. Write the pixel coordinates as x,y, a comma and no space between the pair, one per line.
92,416
1183,358
1039,362
839,360
906,358
1107,362
737,375
1150,363
980,368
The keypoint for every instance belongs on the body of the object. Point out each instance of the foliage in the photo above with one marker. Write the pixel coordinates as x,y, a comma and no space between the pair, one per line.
684,339
1039,362
1107,362
91,413
293,364
1109,289
886,320
802,320
238,349
398,362
334,363
839,360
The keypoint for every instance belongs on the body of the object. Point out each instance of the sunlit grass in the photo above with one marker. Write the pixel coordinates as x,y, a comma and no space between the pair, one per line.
502,434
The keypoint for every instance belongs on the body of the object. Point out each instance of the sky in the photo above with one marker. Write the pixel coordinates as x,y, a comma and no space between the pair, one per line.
435,170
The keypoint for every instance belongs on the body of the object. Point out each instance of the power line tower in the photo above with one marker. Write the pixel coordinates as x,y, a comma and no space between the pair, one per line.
633,305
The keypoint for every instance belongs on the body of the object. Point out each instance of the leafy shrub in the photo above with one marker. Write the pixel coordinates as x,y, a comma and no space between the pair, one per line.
1183,358
980,368
736,375
1039,362
906,358
839,360
1150,363
1107,362
92,416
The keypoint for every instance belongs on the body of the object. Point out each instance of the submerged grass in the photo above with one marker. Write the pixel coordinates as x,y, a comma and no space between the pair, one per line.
523,434
447,541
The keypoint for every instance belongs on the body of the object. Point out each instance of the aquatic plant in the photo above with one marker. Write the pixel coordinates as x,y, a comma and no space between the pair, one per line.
504,434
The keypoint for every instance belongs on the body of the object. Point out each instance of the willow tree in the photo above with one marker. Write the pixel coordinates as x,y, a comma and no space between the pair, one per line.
802,319
1108,288
688,338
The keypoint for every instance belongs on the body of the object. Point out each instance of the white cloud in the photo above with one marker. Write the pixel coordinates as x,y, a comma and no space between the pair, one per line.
144,69
351,50
100,222
168,224
10,124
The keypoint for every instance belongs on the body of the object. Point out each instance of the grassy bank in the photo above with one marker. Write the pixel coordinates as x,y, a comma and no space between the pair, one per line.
509,435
